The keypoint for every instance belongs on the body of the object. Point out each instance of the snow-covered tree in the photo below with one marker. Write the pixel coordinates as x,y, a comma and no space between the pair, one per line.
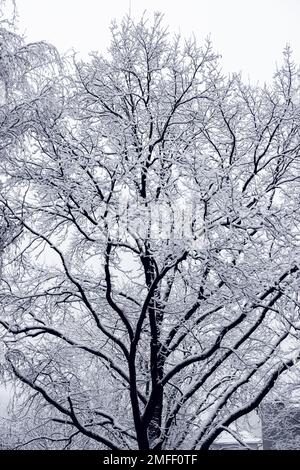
152,297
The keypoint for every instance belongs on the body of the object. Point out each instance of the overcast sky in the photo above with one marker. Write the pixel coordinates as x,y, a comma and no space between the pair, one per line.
250,34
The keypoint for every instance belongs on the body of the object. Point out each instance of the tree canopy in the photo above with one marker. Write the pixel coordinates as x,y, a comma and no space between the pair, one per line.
150,240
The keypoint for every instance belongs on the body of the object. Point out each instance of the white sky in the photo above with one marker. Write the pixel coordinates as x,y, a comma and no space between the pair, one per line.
250,34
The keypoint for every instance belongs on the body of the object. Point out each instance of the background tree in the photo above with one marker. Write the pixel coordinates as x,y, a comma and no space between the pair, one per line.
152,297
280,414
25,70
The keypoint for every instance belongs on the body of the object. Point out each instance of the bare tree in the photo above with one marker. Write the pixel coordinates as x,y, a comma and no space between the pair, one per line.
152,298
280,414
